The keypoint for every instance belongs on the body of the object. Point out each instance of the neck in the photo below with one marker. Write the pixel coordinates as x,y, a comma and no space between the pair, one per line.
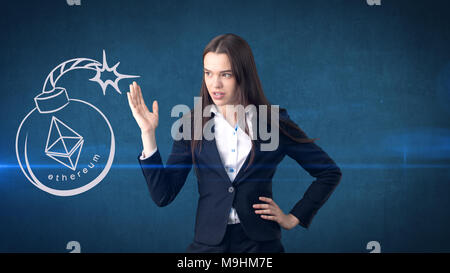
222,110
232,119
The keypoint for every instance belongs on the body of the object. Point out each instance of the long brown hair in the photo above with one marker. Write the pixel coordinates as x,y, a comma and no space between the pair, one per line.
249,89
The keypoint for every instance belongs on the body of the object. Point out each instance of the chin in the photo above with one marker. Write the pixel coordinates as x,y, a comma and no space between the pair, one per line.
220,103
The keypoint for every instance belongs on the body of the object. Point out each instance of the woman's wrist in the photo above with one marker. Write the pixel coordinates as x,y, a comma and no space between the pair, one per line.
293,220
149,132
148,141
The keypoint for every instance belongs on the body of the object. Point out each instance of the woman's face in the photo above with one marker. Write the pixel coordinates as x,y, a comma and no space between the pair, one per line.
219,79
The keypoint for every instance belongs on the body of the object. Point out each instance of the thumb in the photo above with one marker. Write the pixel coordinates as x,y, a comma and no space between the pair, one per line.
155,107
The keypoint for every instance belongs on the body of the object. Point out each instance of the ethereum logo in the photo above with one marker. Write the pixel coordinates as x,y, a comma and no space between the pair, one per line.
63,144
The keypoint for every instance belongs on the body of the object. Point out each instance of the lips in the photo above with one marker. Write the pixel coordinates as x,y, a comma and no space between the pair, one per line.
218,95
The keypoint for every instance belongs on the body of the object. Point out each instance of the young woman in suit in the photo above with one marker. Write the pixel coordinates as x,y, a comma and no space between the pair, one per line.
236,212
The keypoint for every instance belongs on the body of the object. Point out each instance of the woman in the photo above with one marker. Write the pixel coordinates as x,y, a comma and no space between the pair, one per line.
236,212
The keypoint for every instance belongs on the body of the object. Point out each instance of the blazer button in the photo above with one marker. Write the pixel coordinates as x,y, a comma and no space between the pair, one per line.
230,189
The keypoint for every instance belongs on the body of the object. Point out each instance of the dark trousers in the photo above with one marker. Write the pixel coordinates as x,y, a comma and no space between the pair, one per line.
236,241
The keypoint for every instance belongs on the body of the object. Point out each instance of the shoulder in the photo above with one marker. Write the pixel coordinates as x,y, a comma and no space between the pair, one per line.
284,117
283,114
289,126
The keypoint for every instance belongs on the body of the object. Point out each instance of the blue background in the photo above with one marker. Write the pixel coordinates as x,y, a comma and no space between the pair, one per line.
372,82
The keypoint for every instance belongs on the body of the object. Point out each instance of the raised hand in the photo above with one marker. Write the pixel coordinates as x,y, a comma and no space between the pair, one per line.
146,120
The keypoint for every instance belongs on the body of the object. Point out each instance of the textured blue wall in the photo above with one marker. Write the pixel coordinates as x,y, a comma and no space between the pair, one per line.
372,82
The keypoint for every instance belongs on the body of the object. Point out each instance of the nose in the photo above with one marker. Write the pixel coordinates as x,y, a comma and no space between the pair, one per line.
217,83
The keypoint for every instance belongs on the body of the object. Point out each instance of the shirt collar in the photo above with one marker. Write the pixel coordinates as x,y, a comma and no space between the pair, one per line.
248,110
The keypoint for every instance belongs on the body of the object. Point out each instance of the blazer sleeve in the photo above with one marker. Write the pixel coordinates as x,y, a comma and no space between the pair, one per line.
165,181
319,165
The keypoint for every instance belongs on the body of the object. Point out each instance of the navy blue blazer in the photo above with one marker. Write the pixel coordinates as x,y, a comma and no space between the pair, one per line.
218,194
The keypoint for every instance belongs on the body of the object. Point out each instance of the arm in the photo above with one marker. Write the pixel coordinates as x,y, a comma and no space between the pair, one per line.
319,165
164,183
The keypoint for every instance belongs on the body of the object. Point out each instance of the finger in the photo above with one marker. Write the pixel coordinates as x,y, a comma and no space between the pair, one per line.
269,217
266,199
133,95
138,96
261,206
264,211
130,101
155,107
130,98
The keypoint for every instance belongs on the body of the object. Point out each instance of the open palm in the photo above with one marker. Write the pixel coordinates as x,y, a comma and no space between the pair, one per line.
145,119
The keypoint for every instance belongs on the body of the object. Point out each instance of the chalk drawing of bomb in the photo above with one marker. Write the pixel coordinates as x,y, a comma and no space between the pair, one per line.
66,146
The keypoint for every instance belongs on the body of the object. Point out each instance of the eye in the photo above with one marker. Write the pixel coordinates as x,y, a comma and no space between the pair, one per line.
227,75
207,73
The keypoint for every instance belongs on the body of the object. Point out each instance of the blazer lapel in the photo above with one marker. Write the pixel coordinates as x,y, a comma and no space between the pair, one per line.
257,142
212,153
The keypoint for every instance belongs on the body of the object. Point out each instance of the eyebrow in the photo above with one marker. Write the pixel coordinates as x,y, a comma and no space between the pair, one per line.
229,70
